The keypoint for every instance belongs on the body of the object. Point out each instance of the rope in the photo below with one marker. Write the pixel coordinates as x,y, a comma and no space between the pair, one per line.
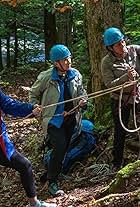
120,116
91,95
98,168
98,171
134,115
65,113
95,94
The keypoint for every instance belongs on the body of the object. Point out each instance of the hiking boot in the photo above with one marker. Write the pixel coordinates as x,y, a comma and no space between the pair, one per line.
54,190
43,204
62,176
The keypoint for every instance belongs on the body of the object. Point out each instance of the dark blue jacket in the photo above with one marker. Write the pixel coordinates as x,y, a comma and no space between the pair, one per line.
17,109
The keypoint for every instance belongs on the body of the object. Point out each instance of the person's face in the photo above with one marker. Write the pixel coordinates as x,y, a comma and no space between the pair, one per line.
120,48
63,65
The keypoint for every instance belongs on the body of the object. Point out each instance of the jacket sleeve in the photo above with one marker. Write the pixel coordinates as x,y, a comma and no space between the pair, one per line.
137,49
108,76
80,90
37,89
14,107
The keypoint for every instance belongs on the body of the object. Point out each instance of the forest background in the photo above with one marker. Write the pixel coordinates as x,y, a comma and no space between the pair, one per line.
28,29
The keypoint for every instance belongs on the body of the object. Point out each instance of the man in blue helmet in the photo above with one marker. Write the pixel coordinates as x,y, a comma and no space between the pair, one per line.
60,83
120,65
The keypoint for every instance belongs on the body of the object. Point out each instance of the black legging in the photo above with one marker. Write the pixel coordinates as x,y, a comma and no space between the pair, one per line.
24,167
119,132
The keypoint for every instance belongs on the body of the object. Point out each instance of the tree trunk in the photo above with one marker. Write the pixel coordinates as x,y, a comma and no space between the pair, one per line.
1,64
16,41
8,51
100,15
24,38
64,25
50,34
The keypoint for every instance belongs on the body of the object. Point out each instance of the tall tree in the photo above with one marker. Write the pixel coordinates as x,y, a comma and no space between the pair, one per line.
65,24
1,65
50,34
8,51
100,15
16,40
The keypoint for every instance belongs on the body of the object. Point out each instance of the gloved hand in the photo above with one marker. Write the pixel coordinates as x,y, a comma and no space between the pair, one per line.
83,104
37,110
132,74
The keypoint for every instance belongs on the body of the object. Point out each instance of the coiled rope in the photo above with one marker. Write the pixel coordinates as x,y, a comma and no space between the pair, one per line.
96,171
134,113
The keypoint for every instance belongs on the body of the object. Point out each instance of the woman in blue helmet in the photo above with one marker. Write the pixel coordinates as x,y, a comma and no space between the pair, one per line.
120,65
9,156
60,83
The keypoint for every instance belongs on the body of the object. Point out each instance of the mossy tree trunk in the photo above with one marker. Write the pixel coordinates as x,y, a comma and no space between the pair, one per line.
100,15
118,187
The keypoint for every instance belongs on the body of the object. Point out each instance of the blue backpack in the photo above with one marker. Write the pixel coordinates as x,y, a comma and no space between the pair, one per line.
79,147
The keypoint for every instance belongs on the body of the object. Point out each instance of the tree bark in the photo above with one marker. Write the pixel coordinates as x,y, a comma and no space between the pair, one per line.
16,40
8,51
100,15
50,34
64,25
1,64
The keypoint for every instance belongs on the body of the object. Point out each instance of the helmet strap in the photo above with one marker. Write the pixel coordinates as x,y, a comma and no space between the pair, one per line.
61,69
110,49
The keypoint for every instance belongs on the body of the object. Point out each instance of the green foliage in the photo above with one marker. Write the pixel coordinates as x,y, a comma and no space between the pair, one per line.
31,15
32,144
129,169
89,112
7,16
106,123
4,83
132,20
81,59
80,48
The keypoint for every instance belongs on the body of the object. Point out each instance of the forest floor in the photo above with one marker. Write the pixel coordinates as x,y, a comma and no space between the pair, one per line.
86,184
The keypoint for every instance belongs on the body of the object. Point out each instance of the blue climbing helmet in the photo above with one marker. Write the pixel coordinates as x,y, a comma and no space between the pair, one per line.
111,36
87,126
59,52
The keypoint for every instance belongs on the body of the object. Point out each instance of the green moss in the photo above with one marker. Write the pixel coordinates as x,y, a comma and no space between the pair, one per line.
124,173
129,169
